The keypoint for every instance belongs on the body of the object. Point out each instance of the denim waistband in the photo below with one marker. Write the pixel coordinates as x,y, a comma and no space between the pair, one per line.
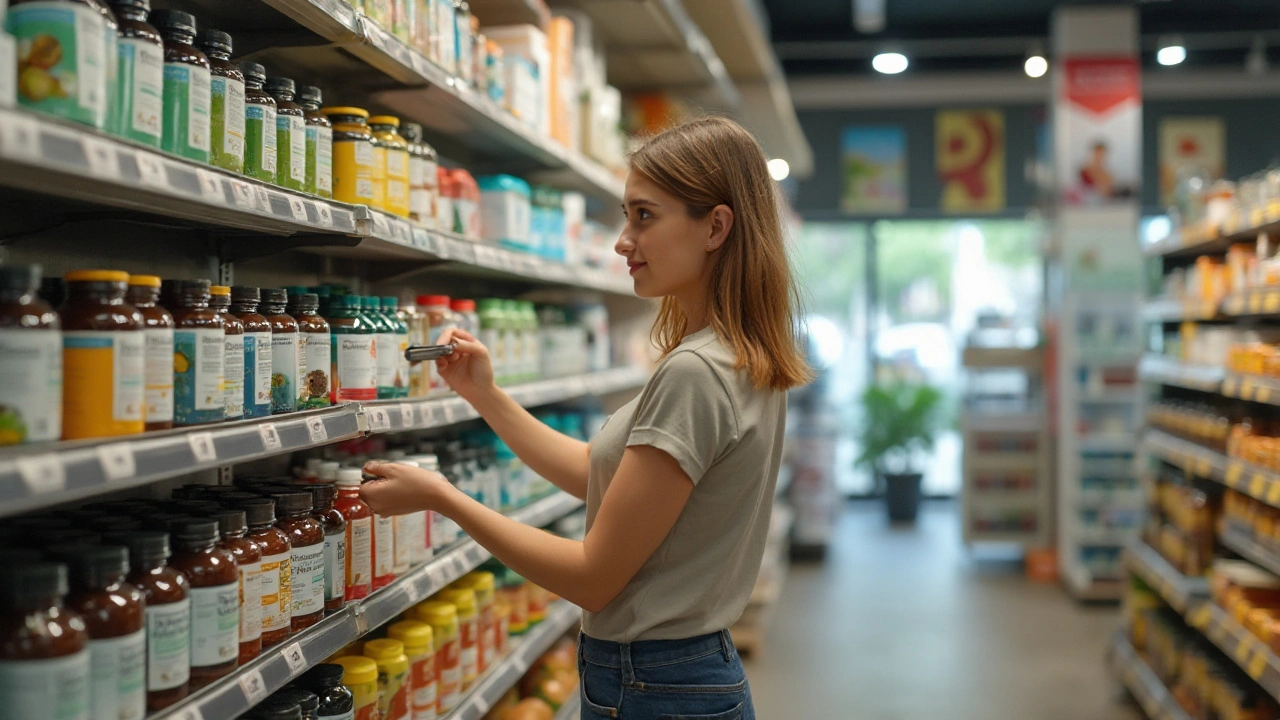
651,653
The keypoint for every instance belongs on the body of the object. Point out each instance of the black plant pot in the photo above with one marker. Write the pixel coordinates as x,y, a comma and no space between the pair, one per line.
902,496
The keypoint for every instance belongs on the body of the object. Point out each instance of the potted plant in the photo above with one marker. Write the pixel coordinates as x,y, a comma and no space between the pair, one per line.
900,419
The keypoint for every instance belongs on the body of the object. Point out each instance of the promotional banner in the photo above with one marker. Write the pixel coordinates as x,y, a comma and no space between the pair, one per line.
873,162
970,160
1099,130
1190,145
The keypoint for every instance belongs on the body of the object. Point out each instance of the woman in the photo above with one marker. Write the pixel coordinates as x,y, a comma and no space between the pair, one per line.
679,484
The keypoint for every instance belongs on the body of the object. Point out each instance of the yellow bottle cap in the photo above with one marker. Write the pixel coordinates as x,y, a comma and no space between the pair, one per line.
385,120
434,612
119,276
463,598
219,290
384,650
480,581
417,637
145,280
358,670
358,112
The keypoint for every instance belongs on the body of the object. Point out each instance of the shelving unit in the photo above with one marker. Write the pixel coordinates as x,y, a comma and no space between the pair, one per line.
1181,592
1156,700
1168,371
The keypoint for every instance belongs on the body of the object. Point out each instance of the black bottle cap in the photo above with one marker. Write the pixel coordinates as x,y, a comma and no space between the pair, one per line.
259,511
159,521
322,494
275,296
173,21
198,508
115,523
143,5
324,675
53,290
64,536
92,565
255,72
306,302
20,277
306,700
281,86
20,584
39,522
192,288
215,40
126,507
244,293
194,530
411,132
310,94
145,547
292,502
274,708
79,516
230,521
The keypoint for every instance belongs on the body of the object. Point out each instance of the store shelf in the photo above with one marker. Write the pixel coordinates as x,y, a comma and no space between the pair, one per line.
489,688
233,695
1255,481
1251,654
1179,310
1156,700
1180,591
1243,541
1260,301
1107,443
1254,388
1206,239
1168,371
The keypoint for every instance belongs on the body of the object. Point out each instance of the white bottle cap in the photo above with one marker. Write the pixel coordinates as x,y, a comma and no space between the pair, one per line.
349,477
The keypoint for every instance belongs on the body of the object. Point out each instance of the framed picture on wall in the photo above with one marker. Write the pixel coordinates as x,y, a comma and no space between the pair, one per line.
873,168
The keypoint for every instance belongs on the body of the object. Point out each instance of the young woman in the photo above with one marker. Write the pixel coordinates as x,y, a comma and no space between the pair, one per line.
679,484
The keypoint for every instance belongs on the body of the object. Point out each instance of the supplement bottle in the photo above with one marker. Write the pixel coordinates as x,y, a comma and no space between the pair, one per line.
396,319
443,619
437,317
234,531
168,615
464,599
62,45
359,534
379,172
360,676
384,128
492,319
306,700
44,656
420,205
110,51
233,352
336,701
306,538
214,582
352,154
323,496
30,360
319,143
139,74
260,150
113,613
199,349
384,550
354,359
143,293
277,567
284,351
187,91
386,346
227,107
257,351
420,650
483,584
291,135
407,531
393,677
102,357
465,311
516,592
316,351
276,708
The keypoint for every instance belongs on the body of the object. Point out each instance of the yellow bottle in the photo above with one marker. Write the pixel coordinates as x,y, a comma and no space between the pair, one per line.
468,630
396,148
393,677
443,619
483,584
354,155
360,676
103,357
419,647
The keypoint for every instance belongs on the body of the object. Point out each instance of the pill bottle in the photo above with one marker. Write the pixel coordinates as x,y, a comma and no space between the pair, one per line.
157,330
30,358
257,351
44,646
277,568
359,534
233,352
234,531
187,91
214,581
103,349
199,351
291,134
260,148
227,106
319,143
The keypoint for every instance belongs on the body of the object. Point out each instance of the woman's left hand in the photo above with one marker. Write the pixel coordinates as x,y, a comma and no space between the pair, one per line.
402,489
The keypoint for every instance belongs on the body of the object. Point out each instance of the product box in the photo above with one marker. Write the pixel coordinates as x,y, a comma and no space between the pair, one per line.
529,43
575,213
602,109
505,211
564,87
521,91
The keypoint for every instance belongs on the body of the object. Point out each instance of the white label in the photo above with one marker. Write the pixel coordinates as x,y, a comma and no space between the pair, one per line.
297,129
42,473
364,155
298,209
56,689
357,368
406,415
335,565
116,460
91,61
118,668
470,661
250,601
211,350
276,595
269,146
308,579
324,160
147,92
319,362
129,361
388,362
199,96
215,624
202,447
233,376
316,430
323,211
151,170
424,702
158,374
102,158
168,645
31,383
295,658
451,677
384,544
361,551
260,344
233,133
255,689
409,532
270,436
284,359
397,163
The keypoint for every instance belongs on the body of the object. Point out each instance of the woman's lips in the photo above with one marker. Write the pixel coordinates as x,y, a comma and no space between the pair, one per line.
633,267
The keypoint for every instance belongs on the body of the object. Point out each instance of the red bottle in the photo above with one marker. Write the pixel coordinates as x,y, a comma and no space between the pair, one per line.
359,534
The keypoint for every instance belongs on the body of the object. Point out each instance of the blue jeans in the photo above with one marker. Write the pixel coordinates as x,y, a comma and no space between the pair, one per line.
698,678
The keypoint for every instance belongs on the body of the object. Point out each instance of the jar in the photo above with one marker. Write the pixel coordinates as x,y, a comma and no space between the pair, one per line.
187,91
319,143
316,351
360,676
157,323
393,677
482,584
199,349
359,534
420,206
323,496
167,612
234,531
102,357
437,317
260,149
396,319
215,598
464,599
336,701
257,351
305,700
385,129
291,135
61,46
443,619
352,154
277,567
420,650
284,351
233,352
354,373
31,358
139,99
44,655
306,537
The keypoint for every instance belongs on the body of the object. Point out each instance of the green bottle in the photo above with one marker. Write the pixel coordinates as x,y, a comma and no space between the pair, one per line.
259,125
395,318
291,135
387,344
187,91
493,336
228,109
354,376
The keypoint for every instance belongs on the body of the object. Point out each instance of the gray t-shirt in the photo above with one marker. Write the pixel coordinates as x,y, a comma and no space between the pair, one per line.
727,436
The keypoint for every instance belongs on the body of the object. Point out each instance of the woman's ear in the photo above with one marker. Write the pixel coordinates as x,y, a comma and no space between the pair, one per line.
721,224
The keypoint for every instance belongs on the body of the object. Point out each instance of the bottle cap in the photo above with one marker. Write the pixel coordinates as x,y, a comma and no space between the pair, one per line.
22,277
345,111
311,95
115,523
274,296
351,302
390,303
416,636
358,670
280,86
426,300
384,649
111,276
194,530
385,120
259,511
306,700
462,598
173,21
198,289
324,675
254,71
463,305
306,302
322,495
291,502
349,477
230,521
436,613
242,293
327,470
145,547
92,565
411,132
214,40
143,5
21,584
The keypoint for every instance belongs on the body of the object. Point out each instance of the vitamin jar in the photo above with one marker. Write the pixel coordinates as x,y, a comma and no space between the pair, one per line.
103,350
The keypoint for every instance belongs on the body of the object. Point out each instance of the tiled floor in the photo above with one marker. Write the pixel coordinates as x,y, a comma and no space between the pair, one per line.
902,624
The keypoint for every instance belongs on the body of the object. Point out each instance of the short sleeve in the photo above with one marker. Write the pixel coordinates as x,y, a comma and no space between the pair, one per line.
685,411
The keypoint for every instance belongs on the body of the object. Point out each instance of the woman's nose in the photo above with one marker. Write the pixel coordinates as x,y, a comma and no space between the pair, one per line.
625,245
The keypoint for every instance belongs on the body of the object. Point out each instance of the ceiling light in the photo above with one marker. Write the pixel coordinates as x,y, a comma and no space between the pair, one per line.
889,63
1171,50
779,169
1036,66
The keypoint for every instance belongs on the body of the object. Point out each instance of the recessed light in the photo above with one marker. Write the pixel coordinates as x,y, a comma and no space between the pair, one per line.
779,169
1036,66
889,63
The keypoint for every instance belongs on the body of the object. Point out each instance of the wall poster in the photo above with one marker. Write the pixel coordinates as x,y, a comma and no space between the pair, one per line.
873,167
1099,131
1190,143
970,160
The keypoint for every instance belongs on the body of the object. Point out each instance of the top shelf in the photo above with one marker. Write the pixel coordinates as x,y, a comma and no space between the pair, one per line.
1208,239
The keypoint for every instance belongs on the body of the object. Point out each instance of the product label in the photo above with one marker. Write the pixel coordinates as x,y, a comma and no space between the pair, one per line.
353,171
424,688
388,379
449,657
168,645
314,383
62,60
335,565
380,177
284,371
250,601
258,357
30,386
384,543
470,650
102,383
118,670
320,158
55,689
360,553
233,133
260,141
291,139
233,376
398,705
348,715
277,596
408,533
187,96
368,712
158,373
215,624
198,356
308,579
141,89
355,367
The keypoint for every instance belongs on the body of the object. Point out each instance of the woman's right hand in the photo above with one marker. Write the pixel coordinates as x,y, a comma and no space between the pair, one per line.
468,370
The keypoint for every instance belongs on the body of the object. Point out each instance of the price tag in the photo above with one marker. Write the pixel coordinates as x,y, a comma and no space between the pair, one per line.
42,473
378,419
448,413
190,713
102,158
264,199
1255,303
377,37
270,437
411,589
381,227
20,137
295,658
243,192
406,415
1257,664
210,186
151,169
486,256
298,208
1234,471
255,689
316,429
325,214
117,461
202,447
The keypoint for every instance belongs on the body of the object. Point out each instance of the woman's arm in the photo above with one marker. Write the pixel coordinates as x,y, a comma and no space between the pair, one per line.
642,504
555,456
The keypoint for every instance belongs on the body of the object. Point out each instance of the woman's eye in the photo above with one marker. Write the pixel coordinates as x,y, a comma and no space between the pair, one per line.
645,214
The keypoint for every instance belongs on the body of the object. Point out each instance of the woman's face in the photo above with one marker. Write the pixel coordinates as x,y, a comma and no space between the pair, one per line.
666,250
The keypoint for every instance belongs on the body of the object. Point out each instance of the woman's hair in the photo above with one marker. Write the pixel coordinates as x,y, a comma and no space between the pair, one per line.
752,296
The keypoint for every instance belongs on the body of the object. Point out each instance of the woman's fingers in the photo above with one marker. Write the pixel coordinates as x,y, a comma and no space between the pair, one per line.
386,470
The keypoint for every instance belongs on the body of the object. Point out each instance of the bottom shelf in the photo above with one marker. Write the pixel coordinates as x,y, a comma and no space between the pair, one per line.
1156,700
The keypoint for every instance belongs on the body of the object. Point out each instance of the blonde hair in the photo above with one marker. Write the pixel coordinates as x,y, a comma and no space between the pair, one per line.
751,295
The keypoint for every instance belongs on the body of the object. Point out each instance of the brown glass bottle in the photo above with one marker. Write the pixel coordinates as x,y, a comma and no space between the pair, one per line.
316,350
31,348
138,123
234,531
113,612
233,352
226,138
323,496
257,351
215,598
277,568
259,125
291,134
43,644
168,615
186,129
157,328
284,351
199,350
319,143
102,392
306,537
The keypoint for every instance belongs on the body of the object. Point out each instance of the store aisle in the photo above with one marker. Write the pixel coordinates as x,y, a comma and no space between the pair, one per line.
905,624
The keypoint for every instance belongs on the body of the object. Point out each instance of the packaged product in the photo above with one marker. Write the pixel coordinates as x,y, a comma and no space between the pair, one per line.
306,556
385,130
419,648
528,62
140,74
360,676
199,354
233,352
353,155
234,529
260,144
393,677
227,106
464,599
277,565
504,211
214,582
323,497
257,351
319,143
443,619
355,360
167,615
187,89
63,58
31,358
103,351
45,662
359,534
315,352
291,134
